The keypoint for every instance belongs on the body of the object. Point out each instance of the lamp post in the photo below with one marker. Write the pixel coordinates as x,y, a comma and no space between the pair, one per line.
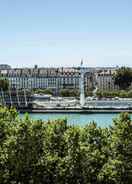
82,95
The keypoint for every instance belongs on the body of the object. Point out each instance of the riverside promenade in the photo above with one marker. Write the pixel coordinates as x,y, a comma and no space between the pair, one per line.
72,105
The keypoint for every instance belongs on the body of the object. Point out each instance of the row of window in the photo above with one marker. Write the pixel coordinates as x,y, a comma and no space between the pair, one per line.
42,82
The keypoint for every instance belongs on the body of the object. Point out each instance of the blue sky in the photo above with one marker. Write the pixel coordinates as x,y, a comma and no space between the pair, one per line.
56,32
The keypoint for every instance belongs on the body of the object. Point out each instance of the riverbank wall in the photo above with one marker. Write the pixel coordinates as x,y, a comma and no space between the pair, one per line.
75,110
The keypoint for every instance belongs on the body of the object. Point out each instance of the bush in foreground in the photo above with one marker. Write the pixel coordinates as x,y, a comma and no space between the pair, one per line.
37,152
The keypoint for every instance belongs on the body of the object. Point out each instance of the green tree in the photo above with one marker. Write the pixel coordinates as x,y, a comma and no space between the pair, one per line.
72,163
95,146
37,152
4,84
69,93
43,91
118,168
123,77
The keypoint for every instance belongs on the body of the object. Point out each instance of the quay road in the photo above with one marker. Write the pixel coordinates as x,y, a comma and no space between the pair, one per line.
73,105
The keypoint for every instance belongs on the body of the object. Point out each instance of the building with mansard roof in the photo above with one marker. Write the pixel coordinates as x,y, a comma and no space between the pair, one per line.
60,78
43,78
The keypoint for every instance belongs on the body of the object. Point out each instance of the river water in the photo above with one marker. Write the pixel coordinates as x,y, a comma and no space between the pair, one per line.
102,119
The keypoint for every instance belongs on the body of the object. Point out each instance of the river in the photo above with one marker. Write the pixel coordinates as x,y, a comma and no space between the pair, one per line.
102,119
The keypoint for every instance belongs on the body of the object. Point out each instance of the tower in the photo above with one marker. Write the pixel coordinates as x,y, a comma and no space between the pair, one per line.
82,95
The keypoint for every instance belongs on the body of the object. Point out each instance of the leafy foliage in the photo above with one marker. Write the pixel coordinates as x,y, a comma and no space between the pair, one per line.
4,84
69,93
43,91
116,93
123,77
37,152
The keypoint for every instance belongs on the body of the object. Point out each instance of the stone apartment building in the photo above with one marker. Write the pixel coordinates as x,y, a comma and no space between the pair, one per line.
59,78
43,78
104,79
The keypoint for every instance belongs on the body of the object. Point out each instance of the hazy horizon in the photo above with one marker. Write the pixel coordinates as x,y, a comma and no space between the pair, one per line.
60,33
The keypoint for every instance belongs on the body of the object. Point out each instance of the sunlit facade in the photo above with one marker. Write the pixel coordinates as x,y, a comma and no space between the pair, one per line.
59,78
